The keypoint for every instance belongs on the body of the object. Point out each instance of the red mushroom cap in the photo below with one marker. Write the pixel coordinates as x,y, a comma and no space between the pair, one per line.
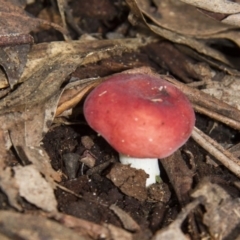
140,115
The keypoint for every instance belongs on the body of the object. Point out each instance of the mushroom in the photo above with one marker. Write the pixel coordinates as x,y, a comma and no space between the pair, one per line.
142,116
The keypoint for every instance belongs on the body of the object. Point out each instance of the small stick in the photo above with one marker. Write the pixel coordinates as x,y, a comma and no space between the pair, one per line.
221,154
219,117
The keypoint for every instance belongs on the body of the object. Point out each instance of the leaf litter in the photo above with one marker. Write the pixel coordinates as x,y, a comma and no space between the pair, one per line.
43,86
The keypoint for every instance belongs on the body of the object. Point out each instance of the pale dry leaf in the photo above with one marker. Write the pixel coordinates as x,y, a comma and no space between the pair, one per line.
7,182
182,18
222,7
187,20
49,65
14,125
39,157
4,148
222,211
170,233
226,90
9,186
233,19
195,44
74,92
87,51
213,194
224,221
118,233
218,6
15,24
13,60
39,121
93,230
34,188
35,154
62,5
127,221
67,17
3,80
33,226
234,36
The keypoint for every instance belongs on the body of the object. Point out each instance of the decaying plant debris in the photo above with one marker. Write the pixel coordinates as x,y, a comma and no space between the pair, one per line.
58,178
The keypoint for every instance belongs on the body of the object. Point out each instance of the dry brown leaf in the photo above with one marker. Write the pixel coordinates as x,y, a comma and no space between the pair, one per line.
50,63
15,24
27,226
219,6
73,93
62,5
41,118
180,176
36,155
188,20
31,153
93,230
127,221
233,19
183,18
34,188
9,186
137,7
226,90
233,35
118,233
15,40
7,182
13,60
3,80
222,211
173,231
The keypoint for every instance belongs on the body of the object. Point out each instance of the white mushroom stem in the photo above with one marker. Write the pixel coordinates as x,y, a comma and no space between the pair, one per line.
149,165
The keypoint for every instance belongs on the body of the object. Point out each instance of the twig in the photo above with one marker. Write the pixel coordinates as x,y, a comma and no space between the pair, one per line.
221,154
219,117
208,103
